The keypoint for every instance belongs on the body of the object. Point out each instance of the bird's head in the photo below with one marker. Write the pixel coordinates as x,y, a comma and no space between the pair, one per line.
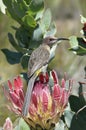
50,40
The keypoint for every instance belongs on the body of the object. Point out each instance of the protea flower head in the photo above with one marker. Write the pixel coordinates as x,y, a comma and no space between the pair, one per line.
15,95
8,124
47,102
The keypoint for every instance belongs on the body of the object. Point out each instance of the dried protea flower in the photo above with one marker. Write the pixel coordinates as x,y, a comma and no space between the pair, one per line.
46,106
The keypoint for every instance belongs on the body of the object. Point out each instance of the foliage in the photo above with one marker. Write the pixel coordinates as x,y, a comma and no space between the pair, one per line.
78,44
34,24
22,125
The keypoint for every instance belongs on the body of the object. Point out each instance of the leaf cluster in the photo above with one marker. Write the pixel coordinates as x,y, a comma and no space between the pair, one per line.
78,44
34,24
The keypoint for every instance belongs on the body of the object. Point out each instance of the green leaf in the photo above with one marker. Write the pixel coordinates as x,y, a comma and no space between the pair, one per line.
23,11
2,7
27,1
82,96
83,32
60,125
10,8
39,15
74,103
34,44
23,37
22,125
36,6
24,61
12,57
15,45
51,31
29,20
37,34
80,51
81,42
68,115
73,42
78,45
83,19
79,121
45,21
19,8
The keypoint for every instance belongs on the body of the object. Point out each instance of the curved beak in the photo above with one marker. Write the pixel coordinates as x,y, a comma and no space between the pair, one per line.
62,39
55,40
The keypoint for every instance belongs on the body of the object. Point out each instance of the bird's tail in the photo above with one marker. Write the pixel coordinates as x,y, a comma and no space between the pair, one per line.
30,88
28,95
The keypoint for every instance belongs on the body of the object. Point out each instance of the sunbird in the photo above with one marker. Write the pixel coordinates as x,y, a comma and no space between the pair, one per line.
39,58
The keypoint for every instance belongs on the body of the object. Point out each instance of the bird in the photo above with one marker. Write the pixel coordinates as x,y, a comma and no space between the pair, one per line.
39,58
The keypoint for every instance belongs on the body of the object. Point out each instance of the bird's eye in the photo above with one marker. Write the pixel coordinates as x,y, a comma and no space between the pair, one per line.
51,39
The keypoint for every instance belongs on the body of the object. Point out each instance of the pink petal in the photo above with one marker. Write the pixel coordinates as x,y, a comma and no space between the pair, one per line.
34,99
16,91
38,88
10,85
45,100
21,95
18,83
64,98
32,109
13,109
8,124
63,83
56,92
47,77
15,99
41,77
53,107
46,88
55,78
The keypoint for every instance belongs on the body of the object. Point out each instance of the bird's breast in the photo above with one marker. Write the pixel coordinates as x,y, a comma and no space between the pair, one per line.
46,47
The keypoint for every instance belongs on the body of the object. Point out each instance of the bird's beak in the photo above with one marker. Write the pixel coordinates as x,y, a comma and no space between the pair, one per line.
62,39
55,40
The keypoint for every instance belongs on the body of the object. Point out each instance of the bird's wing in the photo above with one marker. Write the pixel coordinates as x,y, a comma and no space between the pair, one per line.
38,58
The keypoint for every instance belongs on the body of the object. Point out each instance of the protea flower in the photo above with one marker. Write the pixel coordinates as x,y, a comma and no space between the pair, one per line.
47,102
8,124
15,95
